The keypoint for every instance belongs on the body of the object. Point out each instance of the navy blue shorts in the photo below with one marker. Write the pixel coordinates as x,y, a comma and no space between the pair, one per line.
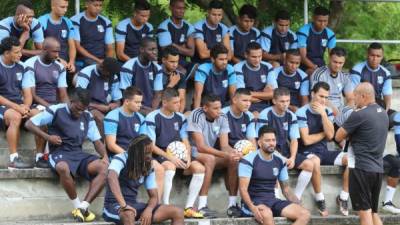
3,110
77,161
110,211
300,158
276,205
327,157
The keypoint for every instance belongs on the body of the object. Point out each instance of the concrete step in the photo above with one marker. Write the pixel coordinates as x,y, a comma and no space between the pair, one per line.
315,220
36,192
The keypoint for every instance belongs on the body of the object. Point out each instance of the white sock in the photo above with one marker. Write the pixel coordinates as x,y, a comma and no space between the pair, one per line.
319,196
38,156
76,202
13,156
232,201
168,178
202,201
344,195
302,182
389,193
84,205
194,189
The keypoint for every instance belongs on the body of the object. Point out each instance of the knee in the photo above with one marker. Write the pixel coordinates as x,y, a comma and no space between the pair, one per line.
127,217
168,166
265,211
62,169
177,213
304,214
308,165
158,169
209,161
317,162
198,168
13,117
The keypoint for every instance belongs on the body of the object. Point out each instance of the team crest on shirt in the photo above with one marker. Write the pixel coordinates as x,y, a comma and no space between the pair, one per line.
106,86
141,180
243,127
297,84
263,78
64,33
340,86
380,80
324,42
275,171
285,126
19,76
151,77
55,74
252,40
137,126
219,38
286,45
176,126
82,126
225,83
379,110
182,38
108,98
216,129
143,35
100,28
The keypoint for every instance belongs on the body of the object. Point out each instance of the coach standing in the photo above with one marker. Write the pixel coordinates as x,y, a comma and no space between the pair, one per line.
367,129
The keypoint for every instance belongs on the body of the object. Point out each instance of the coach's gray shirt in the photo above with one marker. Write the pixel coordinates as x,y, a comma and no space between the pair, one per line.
367,129
211,130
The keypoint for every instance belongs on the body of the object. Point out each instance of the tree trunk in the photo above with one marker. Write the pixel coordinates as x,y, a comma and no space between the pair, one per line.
337,10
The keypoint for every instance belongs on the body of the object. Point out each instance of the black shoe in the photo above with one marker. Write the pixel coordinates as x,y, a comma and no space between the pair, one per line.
43,162
208,213
234,211
321,205
343,206
18,163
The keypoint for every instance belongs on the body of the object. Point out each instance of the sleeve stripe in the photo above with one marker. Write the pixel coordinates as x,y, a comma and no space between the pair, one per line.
120,32
75,23
37,27
266,35
355,72
118,158
302,34
49,111
244,161
149,123
333,36
83,76
110,120
125,70
4,28
301,118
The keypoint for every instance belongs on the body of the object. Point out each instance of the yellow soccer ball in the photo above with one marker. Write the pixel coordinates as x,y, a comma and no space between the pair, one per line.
244,146
177,149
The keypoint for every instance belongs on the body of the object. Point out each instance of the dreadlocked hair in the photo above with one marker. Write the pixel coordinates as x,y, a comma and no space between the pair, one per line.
136,164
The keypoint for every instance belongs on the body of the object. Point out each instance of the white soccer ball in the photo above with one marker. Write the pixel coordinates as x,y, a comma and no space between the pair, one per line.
244,146
177,149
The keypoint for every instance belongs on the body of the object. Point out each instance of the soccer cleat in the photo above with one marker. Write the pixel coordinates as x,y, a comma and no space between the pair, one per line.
208,213
18,163
234,211
192,213
81,215
343,205
390,207
321,205
43,162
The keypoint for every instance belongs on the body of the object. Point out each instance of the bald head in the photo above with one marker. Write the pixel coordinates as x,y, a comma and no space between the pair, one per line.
50,43
364,94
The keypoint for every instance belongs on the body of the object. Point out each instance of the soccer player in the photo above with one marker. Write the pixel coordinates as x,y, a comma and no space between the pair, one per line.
177,32
93,35
206,125
258,173
130,31
313,39
217,77
173,76
164,126
24,26
102,82
373,72
145,74
56,25
15,97
316,129
69,125
210,32
253,74
277,39
286,126
339,81
244,32
126,173
290,76
239,117
47,79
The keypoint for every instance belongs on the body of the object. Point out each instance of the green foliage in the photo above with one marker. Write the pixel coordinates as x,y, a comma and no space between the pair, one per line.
360,20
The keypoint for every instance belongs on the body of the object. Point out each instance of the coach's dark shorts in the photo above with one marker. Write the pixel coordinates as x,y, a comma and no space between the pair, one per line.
276,205
364,189
327,157
110,211
77,161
